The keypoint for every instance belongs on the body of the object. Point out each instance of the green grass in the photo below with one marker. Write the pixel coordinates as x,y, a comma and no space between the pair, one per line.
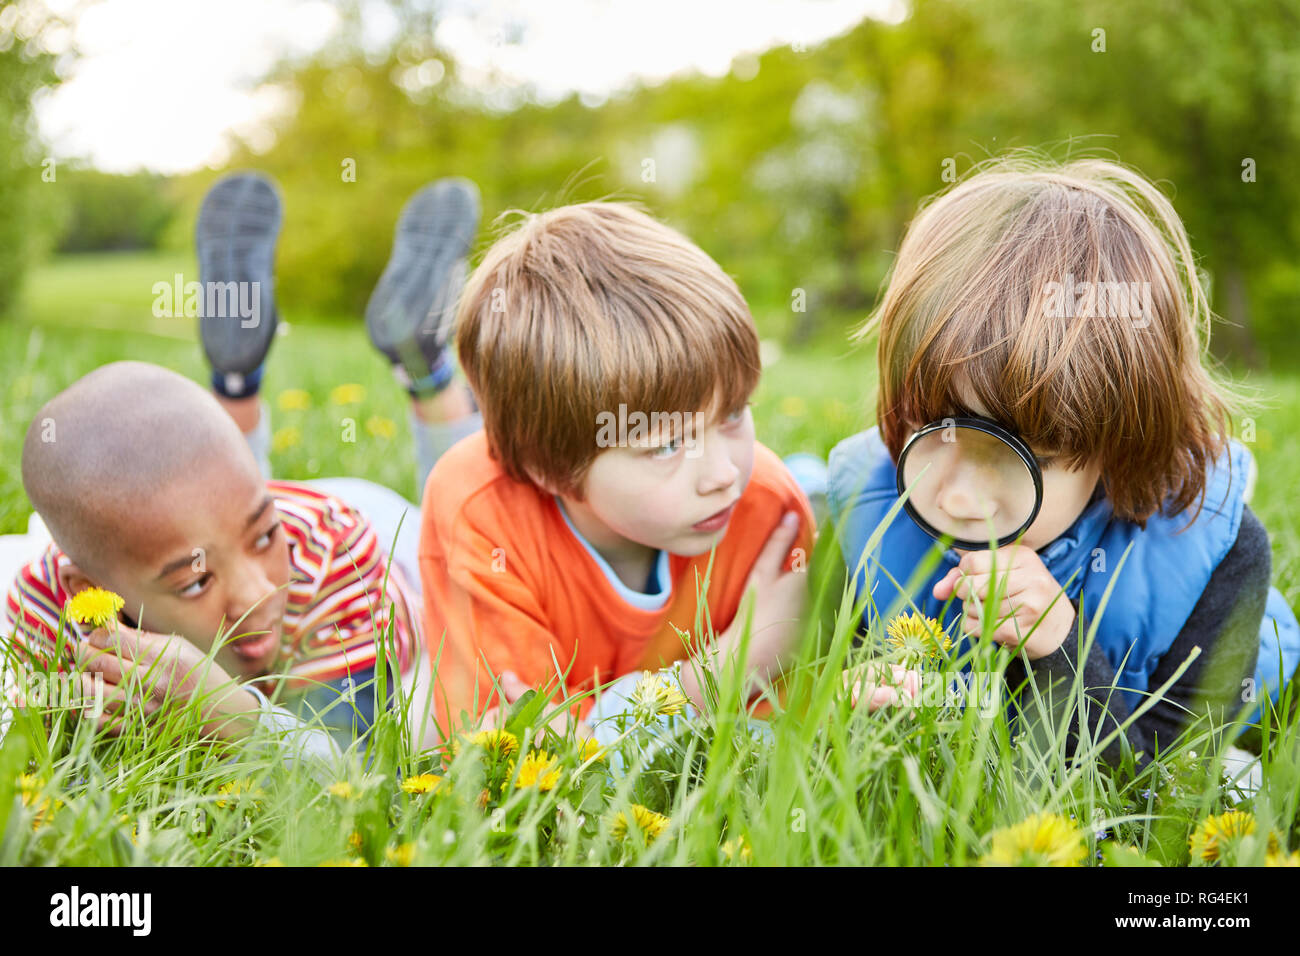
834,785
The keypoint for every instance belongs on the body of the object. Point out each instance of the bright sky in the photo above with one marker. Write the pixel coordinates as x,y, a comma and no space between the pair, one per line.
160,82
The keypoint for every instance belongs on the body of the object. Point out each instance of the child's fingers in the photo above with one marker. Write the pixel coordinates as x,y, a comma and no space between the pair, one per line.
880,688
512,687
1004,559
772,558
106,663
891,695
973,621
110,724
907,680
881,696
1004,629
977,587
107,640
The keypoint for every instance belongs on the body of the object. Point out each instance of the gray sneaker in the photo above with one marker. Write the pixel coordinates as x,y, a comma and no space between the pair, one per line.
235,238
411,314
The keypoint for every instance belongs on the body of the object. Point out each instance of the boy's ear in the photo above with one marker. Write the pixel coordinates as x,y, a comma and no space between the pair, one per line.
73,580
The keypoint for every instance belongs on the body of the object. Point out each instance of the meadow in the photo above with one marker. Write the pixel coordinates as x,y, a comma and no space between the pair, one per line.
819,782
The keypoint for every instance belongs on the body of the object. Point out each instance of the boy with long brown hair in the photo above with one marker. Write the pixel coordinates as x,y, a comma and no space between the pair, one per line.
1062,304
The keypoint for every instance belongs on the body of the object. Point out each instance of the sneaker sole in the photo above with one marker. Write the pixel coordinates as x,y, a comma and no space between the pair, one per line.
239,223
409,311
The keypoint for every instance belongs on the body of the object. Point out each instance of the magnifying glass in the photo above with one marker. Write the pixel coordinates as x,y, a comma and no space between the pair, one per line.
974,481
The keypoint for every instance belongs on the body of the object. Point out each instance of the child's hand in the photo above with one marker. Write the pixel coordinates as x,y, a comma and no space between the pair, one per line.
870,683
167,668
1028,590
778,598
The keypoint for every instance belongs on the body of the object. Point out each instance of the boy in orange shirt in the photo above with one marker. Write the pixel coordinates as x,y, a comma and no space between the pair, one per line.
561,547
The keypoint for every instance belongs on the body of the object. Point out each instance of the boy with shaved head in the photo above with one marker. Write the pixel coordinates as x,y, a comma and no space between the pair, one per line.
150,490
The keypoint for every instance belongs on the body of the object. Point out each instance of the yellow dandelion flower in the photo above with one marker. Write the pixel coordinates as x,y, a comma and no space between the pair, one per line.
591,750
656,696
353,861
651,824
539,769
354,840
498,743
422,783
793,406
1211,836
294,400
403,855
236,789
919,637
381,427
271,861
30,785
1044,839
44,813
285,438
350,394
1277,858
740,846
343,790
95,606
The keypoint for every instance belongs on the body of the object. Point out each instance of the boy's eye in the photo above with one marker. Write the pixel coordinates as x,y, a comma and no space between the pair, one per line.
666,450
737,413
194,588
264,542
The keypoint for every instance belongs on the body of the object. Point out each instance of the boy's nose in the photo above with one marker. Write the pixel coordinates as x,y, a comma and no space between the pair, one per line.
963,496
717,471
250,593
965,503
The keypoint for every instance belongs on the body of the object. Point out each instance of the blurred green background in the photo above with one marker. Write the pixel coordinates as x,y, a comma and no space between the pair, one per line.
798,171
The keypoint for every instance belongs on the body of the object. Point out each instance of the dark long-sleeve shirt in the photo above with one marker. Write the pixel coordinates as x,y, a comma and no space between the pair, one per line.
1224,624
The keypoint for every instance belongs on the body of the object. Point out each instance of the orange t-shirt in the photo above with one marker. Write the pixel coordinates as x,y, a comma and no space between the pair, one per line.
508,586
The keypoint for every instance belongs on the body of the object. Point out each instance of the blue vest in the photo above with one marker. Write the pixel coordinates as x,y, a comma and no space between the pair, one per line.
1162,578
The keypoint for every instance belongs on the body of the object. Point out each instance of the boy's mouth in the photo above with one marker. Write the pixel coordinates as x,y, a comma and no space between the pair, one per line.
254,647
716,521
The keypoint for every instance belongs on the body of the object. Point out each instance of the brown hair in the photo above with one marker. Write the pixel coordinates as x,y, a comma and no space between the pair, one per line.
978,295
586,307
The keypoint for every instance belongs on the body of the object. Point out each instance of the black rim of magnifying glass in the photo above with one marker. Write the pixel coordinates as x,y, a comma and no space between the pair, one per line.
989,427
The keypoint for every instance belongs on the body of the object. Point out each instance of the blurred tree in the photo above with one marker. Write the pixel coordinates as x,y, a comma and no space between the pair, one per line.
800,169
1202,95
29,216
111,212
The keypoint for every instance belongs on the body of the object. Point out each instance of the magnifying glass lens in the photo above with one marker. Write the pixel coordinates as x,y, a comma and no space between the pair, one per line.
969,484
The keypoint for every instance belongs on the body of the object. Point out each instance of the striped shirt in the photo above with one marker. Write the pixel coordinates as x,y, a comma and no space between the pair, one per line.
339,603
